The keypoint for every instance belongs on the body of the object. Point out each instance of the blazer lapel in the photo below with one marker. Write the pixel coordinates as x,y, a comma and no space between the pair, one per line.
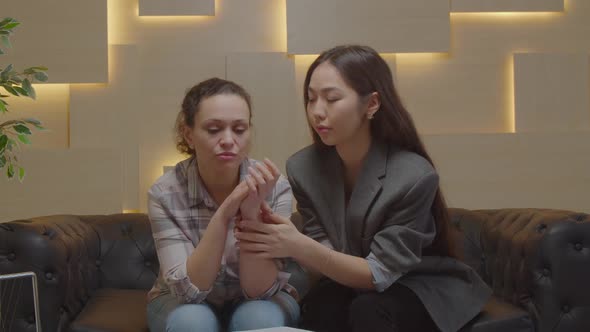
366,189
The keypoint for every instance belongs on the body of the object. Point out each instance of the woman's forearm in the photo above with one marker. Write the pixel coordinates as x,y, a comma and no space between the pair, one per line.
257,275
345,269
204,262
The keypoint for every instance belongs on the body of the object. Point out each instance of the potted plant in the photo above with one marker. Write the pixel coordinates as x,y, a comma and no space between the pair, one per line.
15,83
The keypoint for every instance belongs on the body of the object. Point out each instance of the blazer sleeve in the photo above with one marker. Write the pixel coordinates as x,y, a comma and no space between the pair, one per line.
408,227
311,225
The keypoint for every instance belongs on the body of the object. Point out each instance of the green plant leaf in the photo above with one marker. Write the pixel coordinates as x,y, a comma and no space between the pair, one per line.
6,72
11,26
2,161
35,123
20,90
11,144
5,21
28,88
10,89
5,41
24,138
32,121
10,171
41,76
3,142
40,68
22,129
21,174
3,106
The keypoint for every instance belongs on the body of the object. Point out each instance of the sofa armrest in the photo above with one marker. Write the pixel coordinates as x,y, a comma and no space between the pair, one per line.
60,251
540,260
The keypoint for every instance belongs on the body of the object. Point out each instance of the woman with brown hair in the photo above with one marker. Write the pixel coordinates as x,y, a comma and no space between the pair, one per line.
204,283
375,221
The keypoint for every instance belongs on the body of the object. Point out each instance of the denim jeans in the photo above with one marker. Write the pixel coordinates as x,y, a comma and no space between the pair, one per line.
164,313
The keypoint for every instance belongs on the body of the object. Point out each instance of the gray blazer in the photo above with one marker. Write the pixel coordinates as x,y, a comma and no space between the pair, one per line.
389,214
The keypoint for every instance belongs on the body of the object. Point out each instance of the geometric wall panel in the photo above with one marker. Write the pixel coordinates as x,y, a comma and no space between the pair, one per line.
176,7
107,116
530,170
238,26
552,92
314,26
67,36
64,181
507,6
451,95
274,106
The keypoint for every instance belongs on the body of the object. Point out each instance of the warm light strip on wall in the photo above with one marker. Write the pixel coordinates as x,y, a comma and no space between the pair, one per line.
510,112
178,18
421,57
506,16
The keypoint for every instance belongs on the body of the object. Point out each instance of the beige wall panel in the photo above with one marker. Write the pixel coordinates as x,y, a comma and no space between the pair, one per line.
514,170
506,5
270,80
238,26
67,36
488,37
162,87
60,181
551,92
448,95
108,116
152,160
313,25
51,108
176,7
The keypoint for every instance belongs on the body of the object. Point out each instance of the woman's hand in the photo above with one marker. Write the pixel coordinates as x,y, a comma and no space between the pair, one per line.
261,180
231,205
277,237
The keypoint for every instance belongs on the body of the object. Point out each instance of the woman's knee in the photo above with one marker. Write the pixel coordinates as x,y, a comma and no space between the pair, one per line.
192,317
257,314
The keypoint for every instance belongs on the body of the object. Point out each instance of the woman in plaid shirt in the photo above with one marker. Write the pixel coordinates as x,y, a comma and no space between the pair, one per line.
204,283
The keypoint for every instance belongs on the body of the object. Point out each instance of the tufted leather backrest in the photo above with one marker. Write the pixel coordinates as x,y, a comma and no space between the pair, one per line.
537,259
72,256
127,257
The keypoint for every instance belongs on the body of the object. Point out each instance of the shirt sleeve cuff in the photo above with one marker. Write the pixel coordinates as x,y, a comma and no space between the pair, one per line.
382,276
182,287
280,283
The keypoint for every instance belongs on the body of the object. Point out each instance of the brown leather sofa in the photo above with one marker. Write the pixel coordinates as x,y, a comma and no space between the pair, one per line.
94,271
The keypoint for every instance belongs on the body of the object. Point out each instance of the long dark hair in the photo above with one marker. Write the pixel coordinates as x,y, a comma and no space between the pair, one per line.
365,71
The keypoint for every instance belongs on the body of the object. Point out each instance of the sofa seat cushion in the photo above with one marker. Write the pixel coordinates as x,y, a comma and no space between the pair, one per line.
114,310
499,315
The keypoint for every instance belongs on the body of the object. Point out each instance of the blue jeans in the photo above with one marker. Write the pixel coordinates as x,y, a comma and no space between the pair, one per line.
164,313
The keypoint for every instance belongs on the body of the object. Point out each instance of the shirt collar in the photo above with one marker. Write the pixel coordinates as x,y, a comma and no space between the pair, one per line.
197,193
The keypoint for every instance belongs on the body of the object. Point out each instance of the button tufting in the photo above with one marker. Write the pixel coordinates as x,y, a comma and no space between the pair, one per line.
11,256
147,263
48,275
31,319
97,262
565,308
578,246
546,272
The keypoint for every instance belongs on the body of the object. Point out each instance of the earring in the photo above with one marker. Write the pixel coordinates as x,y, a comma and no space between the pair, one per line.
370,116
